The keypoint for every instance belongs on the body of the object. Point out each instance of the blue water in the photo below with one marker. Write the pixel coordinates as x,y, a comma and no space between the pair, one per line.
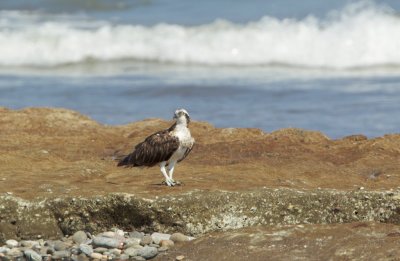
332,67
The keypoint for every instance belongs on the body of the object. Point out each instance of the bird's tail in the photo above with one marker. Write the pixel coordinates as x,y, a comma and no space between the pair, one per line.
125,161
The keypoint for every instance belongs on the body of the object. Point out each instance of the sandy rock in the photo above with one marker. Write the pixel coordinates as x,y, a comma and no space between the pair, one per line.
166,243
178,237
96,256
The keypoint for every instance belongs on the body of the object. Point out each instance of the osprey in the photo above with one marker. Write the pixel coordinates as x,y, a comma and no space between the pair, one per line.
165,148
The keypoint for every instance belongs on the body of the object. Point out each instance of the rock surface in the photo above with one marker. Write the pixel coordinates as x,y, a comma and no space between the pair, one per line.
233,178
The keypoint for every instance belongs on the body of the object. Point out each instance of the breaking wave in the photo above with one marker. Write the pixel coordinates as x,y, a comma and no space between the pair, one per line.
361,35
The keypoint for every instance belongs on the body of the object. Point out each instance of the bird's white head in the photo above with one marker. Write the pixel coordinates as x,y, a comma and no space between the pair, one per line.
182,116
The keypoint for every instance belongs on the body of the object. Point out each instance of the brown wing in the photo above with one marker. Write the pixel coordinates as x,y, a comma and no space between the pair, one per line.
154,149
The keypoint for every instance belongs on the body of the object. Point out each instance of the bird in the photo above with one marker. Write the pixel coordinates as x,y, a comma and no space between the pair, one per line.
165,148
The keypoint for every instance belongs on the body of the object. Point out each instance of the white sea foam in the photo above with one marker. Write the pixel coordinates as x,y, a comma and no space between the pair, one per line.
359,36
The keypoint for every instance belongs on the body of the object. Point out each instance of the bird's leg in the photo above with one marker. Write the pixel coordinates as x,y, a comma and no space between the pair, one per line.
171,167
168,181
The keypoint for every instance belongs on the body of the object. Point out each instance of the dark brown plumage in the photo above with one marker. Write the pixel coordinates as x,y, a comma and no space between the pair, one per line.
156,148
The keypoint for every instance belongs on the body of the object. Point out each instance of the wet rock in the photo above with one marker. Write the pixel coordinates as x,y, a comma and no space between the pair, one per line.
11,243
107,242
147,252
179,237
86,249
32,255
79,237
146,240
157,237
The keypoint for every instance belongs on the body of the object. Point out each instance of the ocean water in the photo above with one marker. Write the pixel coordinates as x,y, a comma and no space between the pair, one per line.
330,66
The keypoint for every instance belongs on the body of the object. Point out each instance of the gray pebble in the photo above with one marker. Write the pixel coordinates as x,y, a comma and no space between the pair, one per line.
154,245
157,237
136,234
86,249
59,245
32,255
138,258
132,242
107,242
79,237
147,252
100,249
146,240
123,257
131,251
61,254
11,243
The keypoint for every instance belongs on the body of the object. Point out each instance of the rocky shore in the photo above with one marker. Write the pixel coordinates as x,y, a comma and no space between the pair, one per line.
109,245
291,190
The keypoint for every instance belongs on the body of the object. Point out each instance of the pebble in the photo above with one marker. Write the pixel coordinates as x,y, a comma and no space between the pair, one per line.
123,257
29,243
79,237
107,242
157,237
132,242
162,249
96,256
146,240
4,249
60,246
131,251
167,243
32,255
86,249
179,237
109,234
100,249
136,234
11,243
147,252
139,258
179,258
